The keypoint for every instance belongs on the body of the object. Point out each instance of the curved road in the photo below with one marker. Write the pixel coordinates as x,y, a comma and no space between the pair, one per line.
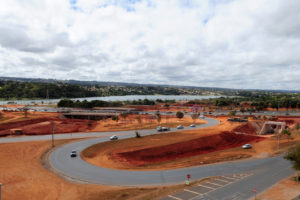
76,168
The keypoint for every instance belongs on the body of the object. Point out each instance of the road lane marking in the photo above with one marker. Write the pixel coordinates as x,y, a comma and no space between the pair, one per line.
207,187
174,197
233,179
192,191
215,184
223,180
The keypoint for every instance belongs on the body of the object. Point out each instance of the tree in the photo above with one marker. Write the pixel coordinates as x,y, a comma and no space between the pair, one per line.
294,156
115,118
231,113
179,114
242,110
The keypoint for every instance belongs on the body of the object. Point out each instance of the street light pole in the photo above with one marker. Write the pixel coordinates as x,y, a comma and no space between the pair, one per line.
53,129
0,190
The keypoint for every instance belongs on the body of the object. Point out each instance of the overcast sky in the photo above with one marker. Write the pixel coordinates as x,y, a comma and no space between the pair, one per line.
219,43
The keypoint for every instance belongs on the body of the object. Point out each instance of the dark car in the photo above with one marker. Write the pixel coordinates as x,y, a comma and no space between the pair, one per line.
73,153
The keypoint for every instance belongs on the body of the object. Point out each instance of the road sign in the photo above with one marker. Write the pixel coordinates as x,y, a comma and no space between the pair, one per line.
188,176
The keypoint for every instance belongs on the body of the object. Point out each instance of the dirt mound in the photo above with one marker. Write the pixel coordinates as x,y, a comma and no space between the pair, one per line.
250,128
198,146
43,126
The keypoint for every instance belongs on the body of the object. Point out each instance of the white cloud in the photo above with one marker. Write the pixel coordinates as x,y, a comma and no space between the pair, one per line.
229,43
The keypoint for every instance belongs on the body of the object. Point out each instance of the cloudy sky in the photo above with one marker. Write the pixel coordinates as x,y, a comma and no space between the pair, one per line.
219,43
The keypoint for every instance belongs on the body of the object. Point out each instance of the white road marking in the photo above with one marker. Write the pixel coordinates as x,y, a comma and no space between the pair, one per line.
234,179
223,180
174,197
206,187
215,184
192,191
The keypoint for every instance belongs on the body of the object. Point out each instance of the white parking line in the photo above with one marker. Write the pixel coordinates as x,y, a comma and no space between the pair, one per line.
206,187
174,197
215,184
192,191
223,180
234,179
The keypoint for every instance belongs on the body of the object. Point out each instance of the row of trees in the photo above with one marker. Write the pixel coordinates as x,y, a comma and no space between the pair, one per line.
21,90
258,102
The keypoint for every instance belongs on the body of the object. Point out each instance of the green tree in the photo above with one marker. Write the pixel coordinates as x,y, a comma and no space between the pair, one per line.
294,155
115,118
242,110
179,114
231,113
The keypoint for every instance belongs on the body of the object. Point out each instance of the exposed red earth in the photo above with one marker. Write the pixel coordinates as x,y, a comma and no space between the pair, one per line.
43,125
203,145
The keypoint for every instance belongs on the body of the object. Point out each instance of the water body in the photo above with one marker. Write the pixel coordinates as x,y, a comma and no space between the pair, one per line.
111,98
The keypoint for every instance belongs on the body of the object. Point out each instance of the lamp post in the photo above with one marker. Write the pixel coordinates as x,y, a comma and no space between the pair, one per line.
53,129
0,190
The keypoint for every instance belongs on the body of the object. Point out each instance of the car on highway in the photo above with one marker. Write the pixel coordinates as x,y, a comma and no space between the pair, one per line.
165,128
162,128
113,137
192,125
180,127
73,153
247,146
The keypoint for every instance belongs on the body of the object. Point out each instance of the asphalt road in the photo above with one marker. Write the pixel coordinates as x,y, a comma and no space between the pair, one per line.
238,186
78,169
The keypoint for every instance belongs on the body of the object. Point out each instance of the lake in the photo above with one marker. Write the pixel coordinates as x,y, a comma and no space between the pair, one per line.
111,98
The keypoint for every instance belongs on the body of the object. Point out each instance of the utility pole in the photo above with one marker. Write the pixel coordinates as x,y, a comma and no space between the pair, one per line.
53,129
278,140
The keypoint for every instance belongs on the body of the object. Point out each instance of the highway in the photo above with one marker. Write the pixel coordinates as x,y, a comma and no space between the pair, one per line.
131,133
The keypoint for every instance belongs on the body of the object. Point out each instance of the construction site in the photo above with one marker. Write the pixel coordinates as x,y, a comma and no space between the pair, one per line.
170,150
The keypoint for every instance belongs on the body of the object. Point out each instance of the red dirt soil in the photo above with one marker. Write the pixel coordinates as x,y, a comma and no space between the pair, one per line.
43,126
246,128
203,145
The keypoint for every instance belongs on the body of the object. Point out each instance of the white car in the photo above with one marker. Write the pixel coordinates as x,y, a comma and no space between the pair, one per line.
180,127
113,137
247,146
192,125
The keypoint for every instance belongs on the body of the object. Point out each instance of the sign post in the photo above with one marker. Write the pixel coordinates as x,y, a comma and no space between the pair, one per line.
0,190
187,182
255,191
52,138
